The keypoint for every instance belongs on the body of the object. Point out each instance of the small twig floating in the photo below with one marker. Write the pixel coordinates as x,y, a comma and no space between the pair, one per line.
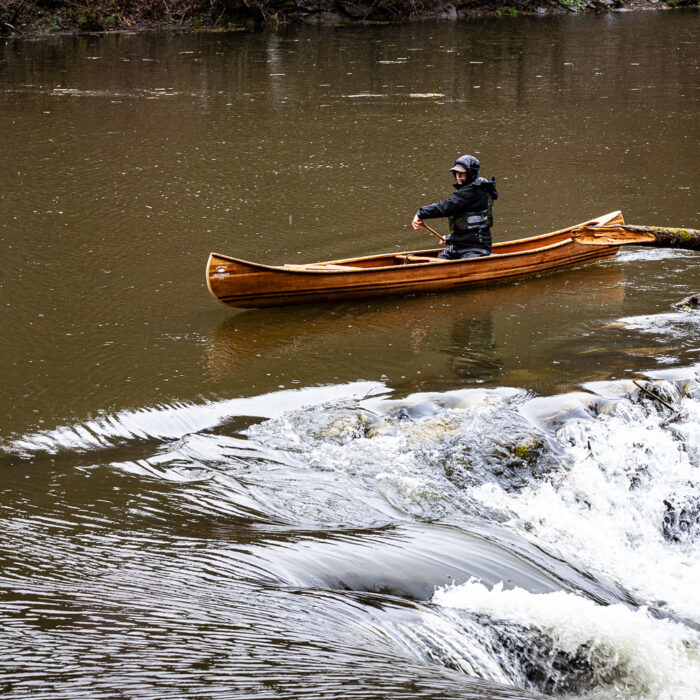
671,419
677,415
370,390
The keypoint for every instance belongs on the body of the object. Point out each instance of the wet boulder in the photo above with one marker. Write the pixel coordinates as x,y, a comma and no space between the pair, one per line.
535,662
681,521
424,409
513,461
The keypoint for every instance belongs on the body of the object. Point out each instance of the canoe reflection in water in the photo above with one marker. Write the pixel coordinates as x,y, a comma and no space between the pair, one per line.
506,333
479,358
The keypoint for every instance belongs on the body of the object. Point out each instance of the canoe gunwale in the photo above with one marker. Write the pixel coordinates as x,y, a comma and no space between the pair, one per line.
413,265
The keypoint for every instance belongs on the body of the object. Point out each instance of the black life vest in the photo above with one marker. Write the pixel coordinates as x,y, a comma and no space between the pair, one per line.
473,228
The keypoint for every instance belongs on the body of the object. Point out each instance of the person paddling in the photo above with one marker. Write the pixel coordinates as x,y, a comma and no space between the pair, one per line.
469,210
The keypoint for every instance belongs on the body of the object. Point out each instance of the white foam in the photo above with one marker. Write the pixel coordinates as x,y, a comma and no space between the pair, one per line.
662,323
605,512
602,510
643,254
632,654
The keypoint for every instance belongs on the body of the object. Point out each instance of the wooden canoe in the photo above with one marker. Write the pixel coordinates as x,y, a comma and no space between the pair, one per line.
244,284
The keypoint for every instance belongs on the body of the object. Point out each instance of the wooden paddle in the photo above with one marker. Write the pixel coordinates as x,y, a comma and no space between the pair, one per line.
435,233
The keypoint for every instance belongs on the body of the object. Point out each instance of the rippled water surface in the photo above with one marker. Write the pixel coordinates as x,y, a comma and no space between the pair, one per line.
490,494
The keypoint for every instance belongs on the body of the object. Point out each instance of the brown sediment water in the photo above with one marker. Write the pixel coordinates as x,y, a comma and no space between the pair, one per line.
203,502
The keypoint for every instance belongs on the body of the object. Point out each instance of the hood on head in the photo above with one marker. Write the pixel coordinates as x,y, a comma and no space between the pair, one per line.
469,165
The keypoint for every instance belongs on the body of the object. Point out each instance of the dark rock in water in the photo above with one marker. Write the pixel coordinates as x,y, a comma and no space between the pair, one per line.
417,411
448,12
512,462
682,520
400,414
357,10
639,477
532,657
691,302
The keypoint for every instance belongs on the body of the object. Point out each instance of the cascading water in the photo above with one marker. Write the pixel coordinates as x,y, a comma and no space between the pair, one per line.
545,543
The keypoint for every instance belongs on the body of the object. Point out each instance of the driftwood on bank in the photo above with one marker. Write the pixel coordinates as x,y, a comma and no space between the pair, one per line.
623,234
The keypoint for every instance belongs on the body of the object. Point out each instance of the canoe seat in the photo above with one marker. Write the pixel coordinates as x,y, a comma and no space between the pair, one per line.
320,267
418,258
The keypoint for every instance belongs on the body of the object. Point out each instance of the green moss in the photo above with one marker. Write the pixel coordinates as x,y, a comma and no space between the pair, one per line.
525,448
506,11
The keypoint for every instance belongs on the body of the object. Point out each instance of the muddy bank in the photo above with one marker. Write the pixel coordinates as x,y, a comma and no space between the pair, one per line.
60,16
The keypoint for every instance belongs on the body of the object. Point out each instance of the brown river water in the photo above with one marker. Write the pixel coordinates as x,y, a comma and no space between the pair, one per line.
455,495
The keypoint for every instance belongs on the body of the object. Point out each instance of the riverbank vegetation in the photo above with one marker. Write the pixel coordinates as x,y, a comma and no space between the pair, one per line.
58,16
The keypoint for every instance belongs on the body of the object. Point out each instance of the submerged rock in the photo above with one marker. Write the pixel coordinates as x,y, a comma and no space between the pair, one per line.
512,462
417,411
535,660
681,521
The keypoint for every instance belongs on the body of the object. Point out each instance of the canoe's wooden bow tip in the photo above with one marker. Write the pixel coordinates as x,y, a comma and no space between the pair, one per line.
588,238
623,234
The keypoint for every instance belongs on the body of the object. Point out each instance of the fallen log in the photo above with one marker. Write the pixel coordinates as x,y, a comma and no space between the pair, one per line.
623,234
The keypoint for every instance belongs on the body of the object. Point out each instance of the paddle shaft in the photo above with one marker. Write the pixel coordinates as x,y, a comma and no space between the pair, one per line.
435,233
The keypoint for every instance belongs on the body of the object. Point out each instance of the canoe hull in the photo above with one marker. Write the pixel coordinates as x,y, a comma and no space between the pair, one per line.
244,284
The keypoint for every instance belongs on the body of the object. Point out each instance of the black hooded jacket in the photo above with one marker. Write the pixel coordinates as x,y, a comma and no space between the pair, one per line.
472,199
